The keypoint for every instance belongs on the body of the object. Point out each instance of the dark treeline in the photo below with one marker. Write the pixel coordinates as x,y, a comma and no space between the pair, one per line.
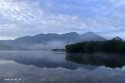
110,46
109,53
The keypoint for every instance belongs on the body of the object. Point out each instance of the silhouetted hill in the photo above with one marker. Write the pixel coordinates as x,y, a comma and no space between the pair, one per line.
91,36
68,37
52,39
44,38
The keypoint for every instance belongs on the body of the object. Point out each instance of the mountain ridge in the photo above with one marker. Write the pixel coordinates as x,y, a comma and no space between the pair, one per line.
52,38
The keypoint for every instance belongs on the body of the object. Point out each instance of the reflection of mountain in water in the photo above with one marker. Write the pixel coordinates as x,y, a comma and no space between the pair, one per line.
35,74
42,59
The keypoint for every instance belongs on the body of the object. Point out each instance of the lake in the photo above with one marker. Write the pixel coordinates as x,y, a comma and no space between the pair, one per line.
51,67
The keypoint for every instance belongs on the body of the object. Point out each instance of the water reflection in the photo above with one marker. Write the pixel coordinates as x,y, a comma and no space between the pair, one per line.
60,74
43,59
108,60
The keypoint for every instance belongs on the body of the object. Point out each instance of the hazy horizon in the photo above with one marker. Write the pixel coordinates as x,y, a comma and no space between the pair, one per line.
30,17
13,38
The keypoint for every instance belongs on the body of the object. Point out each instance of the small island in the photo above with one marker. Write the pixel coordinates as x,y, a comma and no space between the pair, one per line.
58,50
110,53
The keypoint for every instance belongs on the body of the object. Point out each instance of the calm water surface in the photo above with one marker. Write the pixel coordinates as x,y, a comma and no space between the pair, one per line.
51,67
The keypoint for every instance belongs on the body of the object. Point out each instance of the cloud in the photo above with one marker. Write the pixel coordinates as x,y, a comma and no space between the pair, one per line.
118,3
30,17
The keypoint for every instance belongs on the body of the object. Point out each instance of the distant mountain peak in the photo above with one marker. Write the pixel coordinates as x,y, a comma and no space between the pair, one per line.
90,33
91,36
51,34
117,38
71,33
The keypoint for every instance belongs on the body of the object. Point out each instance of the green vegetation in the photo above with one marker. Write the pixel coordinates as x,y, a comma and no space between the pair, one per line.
116,46
110,53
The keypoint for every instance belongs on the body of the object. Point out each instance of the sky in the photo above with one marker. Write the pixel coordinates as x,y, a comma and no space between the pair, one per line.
30,17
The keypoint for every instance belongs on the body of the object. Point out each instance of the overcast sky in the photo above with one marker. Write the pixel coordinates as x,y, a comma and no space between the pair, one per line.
29,17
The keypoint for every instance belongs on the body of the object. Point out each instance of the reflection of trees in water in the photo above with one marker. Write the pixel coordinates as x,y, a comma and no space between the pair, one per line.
98,59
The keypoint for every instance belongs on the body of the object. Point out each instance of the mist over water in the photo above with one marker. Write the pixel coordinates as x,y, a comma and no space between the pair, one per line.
48,45
51,67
